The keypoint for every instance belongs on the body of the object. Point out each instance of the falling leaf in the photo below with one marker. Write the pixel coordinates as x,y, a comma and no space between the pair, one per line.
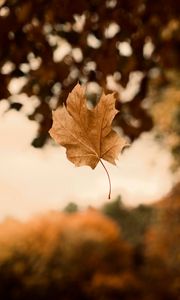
87,133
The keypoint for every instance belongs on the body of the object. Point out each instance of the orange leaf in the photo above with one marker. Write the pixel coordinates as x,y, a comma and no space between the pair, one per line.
87,134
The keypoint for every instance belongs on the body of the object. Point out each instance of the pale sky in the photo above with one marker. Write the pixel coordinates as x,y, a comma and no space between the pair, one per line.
35,180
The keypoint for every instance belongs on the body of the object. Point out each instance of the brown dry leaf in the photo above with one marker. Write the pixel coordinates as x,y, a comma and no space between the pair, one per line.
87,134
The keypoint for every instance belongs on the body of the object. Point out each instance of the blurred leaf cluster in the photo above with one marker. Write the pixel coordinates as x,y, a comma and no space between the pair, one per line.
114,45
165,112
132,254
133,222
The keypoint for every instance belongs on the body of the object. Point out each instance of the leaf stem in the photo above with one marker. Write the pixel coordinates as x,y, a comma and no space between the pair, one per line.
109,195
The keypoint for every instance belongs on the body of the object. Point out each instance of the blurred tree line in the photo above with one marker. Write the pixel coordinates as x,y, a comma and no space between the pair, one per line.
114,253
133,221
114,45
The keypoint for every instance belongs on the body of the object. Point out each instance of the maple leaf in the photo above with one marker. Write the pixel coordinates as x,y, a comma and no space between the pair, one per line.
86,133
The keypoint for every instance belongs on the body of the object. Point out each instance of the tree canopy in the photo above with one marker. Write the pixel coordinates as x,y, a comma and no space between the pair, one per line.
52,45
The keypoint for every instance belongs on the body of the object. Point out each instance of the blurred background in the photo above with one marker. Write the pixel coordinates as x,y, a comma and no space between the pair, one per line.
59,236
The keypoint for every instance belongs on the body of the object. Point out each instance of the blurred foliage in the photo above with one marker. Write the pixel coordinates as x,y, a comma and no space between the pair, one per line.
134,222
162,244
61,256
166,113
53,44
71,208
86,255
